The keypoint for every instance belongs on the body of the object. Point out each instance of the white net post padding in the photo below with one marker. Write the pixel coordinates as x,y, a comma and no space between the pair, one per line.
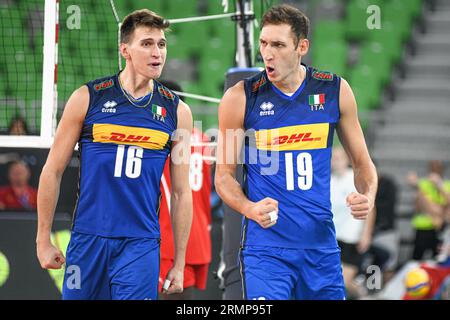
49,85
49,98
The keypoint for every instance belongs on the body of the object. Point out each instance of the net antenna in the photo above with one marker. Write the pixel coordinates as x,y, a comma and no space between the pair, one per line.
119,25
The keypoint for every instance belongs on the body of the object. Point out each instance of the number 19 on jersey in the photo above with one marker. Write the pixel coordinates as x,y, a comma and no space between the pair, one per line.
304,171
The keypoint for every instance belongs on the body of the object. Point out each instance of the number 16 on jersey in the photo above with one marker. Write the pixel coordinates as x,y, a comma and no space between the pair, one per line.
133,163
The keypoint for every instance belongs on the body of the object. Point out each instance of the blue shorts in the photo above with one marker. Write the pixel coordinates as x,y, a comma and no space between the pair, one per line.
99,268
283,274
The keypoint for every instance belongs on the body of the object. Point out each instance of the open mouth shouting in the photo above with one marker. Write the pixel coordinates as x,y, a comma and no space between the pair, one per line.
270,71
155,65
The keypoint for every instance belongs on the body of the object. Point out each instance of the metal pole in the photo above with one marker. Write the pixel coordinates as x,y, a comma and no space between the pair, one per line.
244,54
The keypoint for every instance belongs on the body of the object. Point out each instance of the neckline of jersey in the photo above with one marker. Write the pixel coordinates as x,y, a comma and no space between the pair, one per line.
297,92
135,101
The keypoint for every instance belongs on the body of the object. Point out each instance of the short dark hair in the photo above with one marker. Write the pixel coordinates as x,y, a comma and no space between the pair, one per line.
287,14
140,18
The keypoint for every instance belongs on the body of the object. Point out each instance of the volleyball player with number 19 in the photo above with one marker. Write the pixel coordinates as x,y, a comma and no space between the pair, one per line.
289,112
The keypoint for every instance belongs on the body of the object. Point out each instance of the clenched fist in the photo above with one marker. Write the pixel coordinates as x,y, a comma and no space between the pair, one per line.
49,256
264,212
359,204
174,281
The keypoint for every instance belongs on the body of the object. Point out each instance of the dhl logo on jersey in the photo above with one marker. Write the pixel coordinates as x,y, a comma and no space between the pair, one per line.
136,136
301,137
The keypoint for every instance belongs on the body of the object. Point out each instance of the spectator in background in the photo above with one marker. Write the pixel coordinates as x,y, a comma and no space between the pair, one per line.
18,126
444,187
431,206
385,245
354,236
18,195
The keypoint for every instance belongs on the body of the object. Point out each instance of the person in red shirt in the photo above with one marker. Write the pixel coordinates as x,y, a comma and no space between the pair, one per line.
18,195
198,253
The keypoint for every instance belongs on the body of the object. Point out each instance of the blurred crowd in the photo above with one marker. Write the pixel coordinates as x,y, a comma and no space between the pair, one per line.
376,241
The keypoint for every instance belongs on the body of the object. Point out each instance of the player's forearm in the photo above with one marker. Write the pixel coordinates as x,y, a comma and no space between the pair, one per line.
366,180
370,223
231,193
48,193
181,213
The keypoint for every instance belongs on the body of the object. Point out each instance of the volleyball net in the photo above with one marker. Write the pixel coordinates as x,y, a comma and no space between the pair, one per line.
50,48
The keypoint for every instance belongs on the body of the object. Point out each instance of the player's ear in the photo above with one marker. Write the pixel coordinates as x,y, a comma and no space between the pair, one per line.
124,51
303,46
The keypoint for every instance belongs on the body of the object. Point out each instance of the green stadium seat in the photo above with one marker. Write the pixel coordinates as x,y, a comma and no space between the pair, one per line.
215,7
191,87
330,55
181,9
3,71
13,31
212,76
373,54
153,5
415,6
175,50
12,17
219,49
391,40
400,16
356,19
329,30
33,116
366,87
125,7
210,121
410,8
38,40
9,110
193,36
5,117
226,30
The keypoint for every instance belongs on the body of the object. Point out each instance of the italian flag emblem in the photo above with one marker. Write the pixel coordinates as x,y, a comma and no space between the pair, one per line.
160,111
315,99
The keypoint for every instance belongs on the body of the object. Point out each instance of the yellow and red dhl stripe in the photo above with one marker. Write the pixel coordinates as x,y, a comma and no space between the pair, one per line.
300,137
136,136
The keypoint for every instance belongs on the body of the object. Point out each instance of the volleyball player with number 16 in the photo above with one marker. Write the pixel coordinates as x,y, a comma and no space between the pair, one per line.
126,125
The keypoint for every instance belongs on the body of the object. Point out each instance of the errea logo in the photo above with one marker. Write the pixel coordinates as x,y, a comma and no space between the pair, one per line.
109,106
266,109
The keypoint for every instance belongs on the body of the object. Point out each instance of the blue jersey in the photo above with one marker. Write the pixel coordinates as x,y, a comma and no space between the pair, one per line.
287,158
123,147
